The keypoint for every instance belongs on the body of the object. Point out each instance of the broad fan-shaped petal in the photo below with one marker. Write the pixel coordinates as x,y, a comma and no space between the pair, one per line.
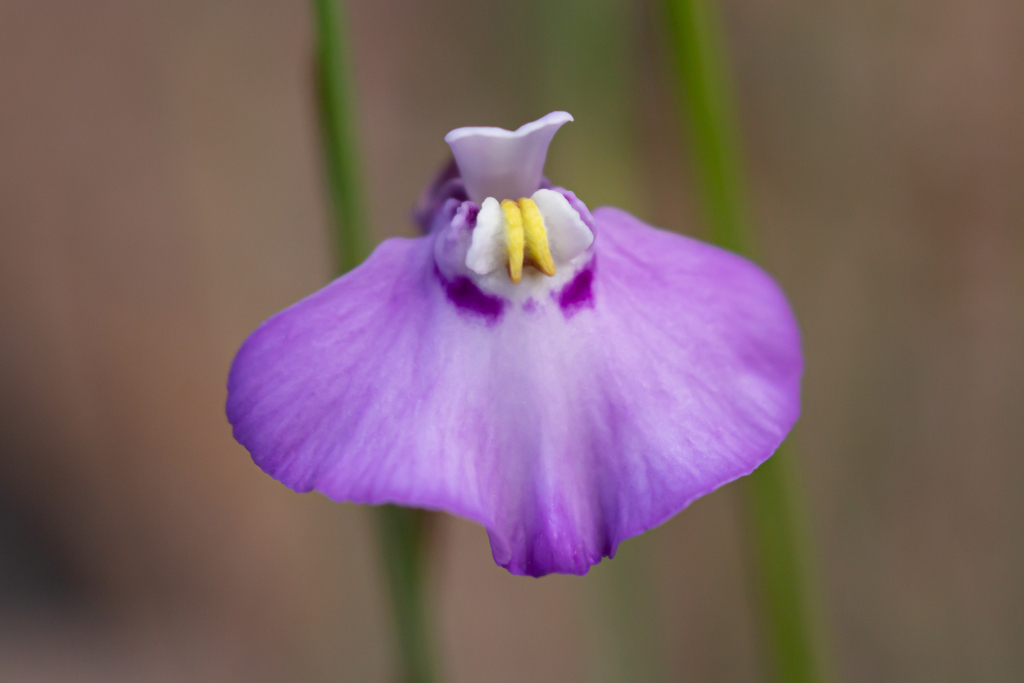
664,369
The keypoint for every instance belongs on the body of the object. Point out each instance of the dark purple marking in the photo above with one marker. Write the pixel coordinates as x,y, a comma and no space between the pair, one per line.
466,296
579,293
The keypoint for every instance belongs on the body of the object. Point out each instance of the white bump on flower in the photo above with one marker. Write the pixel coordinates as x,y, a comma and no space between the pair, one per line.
488,250
568,235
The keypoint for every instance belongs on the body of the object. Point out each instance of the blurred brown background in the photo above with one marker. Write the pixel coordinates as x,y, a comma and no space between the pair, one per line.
161,194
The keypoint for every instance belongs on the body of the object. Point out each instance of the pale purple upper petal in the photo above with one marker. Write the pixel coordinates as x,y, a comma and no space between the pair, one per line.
663,369
504,164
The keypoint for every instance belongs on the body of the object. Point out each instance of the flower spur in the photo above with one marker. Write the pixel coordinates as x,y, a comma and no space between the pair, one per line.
565,379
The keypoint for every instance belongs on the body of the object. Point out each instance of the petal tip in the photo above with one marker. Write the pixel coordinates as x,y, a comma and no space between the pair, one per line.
555,119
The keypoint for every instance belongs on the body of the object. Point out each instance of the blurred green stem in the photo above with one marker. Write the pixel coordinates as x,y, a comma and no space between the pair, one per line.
786,579
403,536
404,533
706,90
341,151
788,583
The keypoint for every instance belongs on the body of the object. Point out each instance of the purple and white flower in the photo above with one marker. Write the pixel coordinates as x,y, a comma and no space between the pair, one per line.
565,379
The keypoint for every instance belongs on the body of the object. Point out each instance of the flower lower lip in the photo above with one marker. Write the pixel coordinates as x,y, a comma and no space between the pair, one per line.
660,370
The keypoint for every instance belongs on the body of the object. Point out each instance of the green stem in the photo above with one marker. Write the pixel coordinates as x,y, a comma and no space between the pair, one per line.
404,533
786,578
787,581
403,537
341,151
706,89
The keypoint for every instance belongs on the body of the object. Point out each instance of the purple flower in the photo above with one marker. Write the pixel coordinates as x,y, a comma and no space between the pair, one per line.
567,380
